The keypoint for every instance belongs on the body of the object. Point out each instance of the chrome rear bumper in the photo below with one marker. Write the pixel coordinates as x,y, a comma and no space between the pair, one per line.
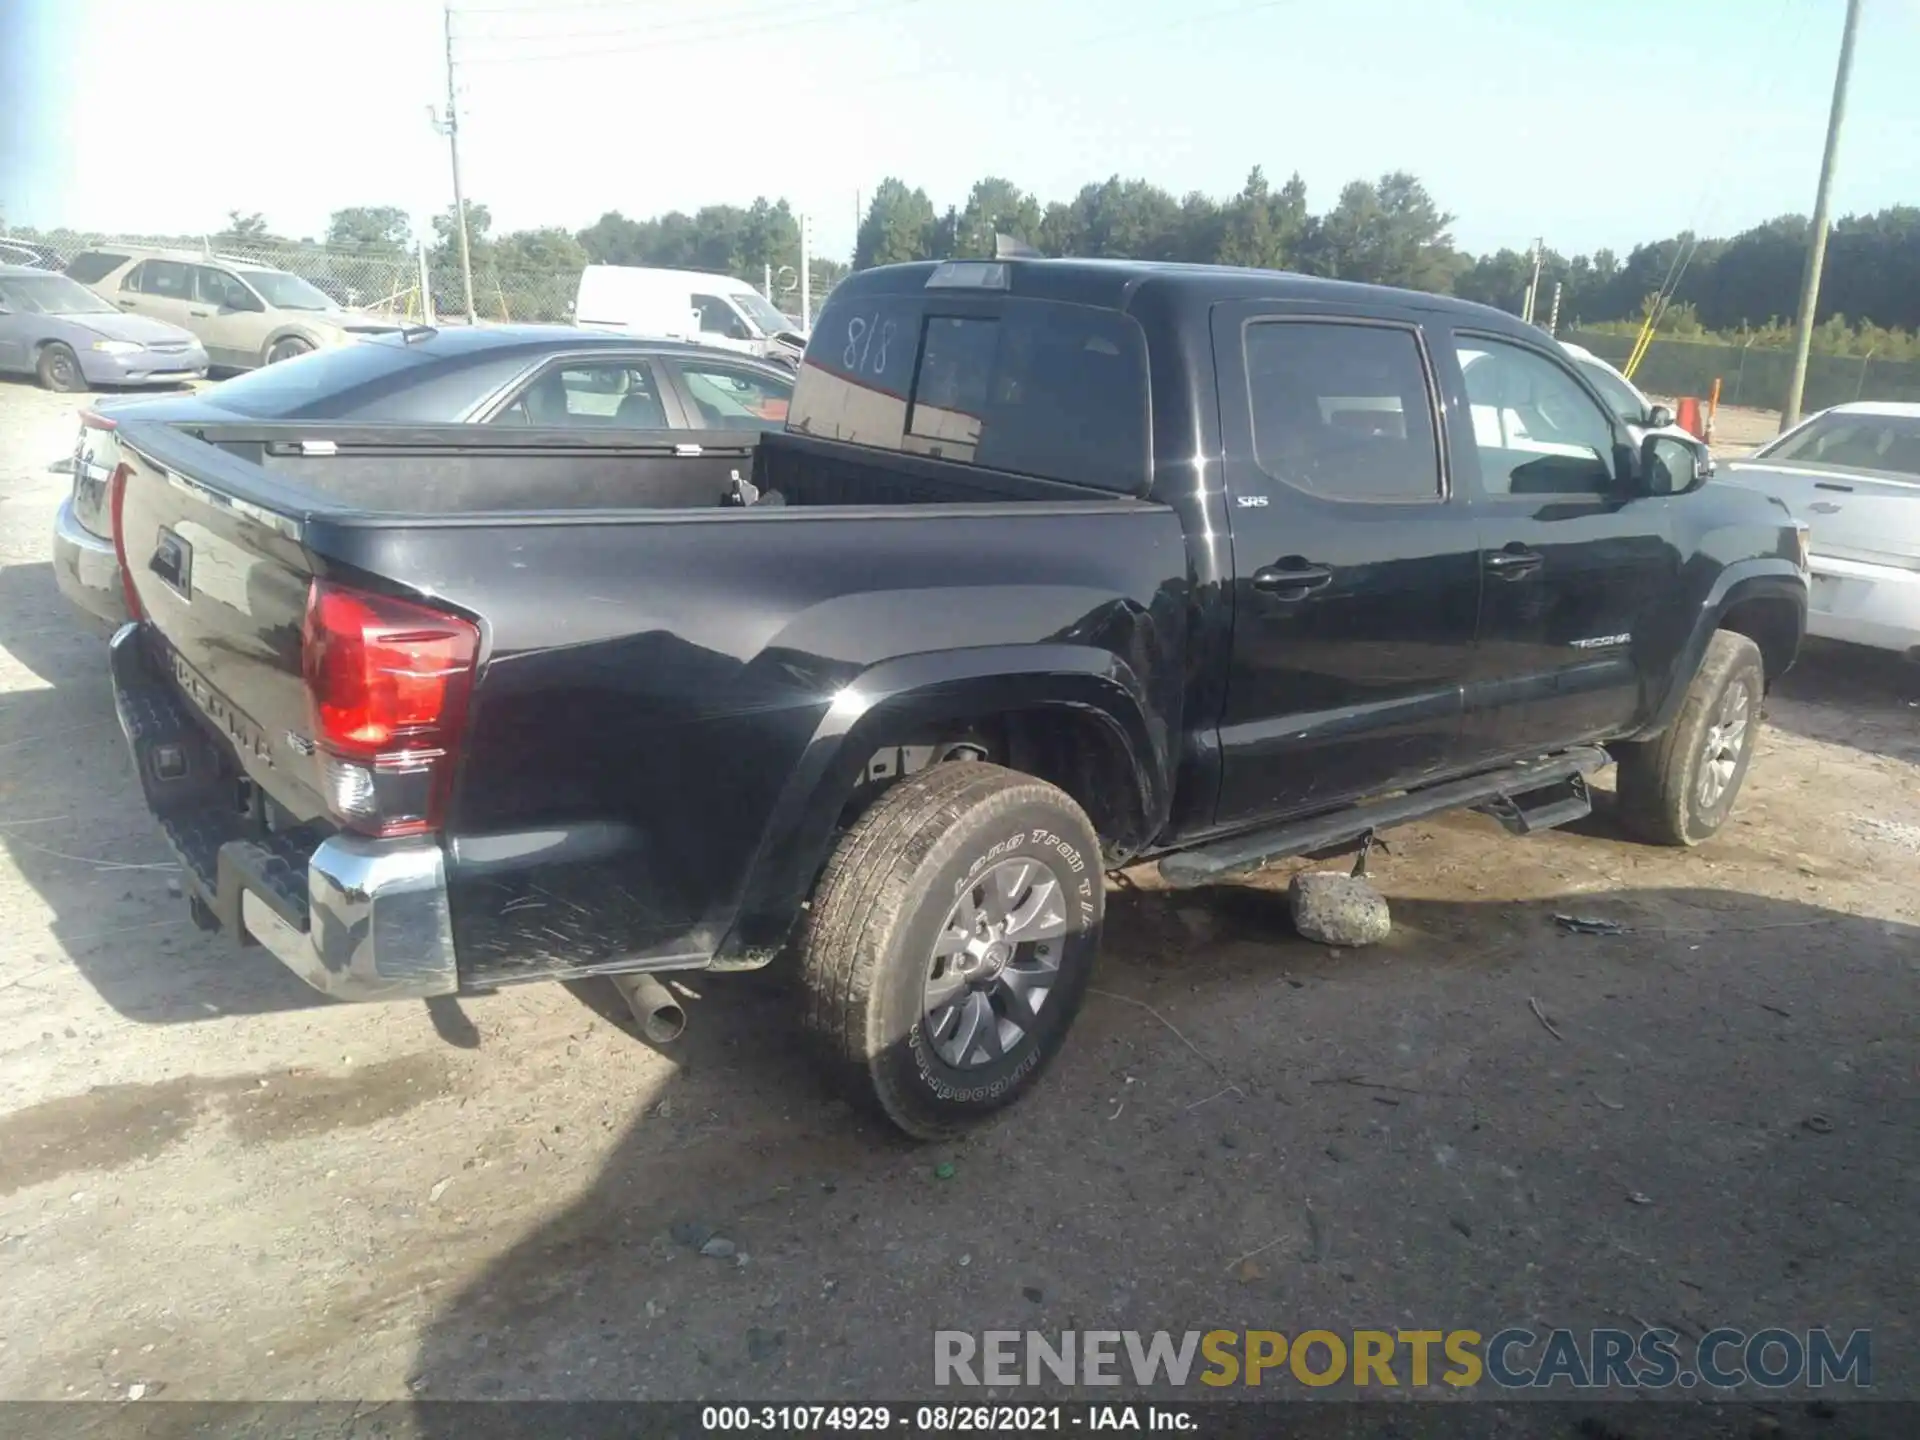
377,927
356,919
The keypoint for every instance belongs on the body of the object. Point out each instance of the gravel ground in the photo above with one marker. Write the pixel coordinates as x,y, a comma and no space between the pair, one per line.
214,1184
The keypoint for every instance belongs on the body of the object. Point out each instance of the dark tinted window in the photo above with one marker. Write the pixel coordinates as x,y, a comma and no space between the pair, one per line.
1854,442
94,265
166,278
718,318
330,382
1031,386
1342,411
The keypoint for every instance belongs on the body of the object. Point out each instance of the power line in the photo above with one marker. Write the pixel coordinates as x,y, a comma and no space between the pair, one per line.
747,18
679,41
1184,22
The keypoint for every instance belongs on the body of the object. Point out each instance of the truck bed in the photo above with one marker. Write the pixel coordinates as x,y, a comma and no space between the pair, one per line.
658,668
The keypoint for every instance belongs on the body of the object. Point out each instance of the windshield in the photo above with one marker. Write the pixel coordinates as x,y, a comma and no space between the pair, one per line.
51,295
1621,398
1852,441
756,309
286,292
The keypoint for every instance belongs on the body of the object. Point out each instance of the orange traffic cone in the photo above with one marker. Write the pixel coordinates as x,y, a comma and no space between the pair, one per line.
1689,417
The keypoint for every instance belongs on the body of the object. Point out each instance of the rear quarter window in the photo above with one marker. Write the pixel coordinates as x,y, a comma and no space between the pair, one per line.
378,379
1035,387
95,265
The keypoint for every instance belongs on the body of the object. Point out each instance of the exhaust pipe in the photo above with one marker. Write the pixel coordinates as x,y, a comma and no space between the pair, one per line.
662,1018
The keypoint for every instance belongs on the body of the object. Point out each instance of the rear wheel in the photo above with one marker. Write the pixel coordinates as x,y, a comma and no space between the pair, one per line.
950,943
59,369
286,349
1679,787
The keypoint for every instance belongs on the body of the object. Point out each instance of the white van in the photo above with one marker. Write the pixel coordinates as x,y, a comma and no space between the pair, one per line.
686,305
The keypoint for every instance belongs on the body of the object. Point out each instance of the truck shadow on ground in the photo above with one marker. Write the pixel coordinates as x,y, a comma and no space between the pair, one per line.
1482,1121
74,825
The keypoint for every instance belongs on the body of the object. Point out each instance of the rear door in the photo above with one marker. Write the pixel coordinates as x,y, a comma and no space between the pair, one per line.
1356,570
162,289
1578,564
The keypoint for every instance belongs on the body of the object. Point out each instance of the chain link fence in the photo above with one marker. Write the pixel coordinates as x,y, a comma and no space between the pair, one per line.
380,280
1752,375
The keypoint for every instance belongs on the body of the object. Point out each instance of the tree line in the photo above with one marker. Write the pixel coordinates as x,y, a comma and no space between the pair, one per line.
1390,231
1386,231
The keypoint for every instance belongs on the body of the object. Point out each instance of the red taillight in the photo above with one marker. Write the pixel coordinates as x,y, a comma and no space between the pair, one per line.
116,507
94,420
387,684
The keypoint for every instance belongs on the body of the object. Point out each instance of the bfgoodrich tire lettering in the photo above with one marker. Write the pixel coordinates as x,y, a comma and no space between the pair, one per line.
1679,787
881,912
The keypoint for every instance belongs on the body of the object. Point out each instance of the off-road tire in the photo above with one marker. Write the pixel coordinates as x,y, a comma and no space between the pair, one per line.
1659,781
286,348
58,369
883,900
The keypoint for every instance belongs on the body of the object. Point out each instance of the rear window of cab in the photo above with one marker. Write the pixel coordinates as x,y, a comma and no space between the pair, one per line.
1034,387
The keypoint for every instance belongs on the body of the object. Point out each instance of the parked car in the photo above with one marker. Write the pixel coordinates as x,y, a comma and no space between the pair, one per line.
30,253
68,338
1852,474
1631,404
435,710
492,375
687,304
245,313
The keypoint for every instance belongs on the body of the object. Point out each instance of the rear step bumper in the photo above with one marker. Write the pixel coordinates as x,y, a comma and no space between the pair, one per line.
1495,791
356,919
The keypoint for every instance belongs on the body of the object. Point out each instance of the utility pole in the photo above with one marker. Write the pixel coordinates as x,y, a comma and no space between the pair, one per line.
1817,241
1533,285
449,126
806,276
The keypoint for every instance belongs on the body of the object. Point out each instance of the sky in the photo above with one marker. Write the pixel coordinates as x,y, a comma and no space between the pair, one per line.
1587,122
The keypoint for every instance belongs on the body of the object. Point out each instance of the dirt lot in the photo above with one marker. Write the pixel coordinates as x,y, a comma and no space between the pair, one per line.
215,1184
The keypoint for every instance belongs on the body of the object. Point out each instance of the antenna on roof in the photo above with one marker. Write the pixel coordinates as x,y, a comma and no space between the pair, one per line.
1005,247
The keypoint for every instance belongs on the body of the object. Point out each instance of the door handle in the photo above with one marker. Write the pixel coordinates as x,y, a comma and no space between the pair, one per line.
199,314
1292,579
1514,563
124,304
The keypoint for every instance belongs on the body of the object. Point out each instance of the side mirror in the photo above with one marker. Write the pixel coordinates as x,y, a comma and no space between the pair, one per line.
1659,417
1670,467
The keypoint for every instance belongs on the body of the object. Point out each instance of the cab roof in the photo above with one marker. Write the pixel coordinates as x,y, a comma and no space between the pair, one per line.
1114,284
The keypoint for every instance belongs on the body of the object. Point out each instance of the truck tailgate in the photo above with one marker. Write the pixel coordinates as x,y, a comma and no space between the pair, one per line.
222,582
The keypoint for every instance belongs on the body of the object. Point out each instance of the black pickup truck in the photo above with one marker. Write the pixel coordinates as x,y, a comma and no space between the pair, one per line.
1058,566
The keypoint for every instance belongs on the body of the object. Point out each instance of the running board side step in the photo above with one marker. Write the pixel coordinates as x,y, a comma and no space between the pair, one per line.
1513,796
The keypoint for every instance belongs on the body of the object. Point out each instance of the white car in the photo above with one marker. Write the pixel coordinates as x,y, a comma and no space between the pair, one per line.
1626,400
714,310
1852,475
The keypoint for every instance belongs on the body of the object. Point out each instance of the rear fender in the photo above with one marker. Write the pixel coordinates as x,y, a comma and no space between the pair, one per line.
908,695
